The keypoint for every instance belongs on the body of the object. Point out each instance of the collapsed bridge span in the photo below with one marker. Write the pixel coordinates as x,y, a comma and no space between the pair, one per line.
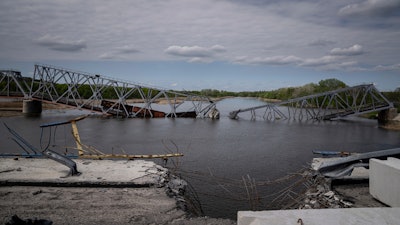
329,105
114,97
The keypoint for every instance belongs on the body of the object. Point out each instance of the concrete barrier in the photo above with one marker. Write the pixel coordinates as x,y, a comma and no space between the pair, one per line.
353,216
384,180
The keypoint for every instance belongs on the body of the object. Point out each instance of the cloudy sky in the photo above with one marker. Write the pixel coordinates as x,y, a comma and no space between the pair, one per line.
197,44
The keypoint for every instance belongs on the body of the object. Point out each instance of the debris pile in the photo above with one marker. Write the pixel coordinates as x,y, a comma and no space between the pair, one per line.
319,195
15,220
175,186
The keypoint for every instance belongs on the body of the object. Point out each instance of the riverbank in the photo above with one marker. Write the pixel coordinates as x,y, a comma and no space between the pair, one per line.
107,192
393,124
13,107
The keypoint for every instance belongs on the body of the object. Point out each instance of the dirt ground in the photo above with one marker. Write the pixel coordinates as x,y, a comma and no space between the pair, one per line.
358,195
77,205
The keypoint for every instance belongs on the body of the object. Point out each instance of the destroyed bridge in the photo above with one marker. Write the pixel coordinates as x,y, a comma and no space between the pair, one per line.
89,91
329,105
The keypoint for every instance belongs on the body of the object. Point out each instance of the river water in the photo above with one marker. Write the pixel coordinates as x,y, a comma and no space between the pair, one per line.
216,152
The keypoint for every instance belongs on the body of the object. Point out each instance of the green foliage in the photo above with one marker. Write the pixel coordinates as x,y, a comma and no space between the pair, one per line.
85,91
213,93
12,88
330,84
393,96
281,93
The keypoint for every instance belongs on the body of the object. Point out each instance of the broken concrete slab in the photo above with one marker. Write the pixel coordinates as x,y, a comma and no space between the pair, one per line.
94,172
102,194
88,205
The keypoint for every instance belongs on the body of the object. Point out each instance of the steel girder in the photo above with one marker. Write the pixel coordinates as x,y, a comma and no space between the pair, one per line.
14,84
324,106
87,91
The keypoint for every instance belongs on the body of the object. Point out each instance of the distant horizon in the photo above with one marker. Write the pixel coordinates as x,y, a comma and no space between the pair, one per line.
26,71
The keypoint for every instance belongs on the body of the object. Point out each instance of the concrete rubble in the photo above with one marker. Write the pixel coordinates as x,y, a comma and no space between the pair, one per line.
320,195
344,200
107,192
325,192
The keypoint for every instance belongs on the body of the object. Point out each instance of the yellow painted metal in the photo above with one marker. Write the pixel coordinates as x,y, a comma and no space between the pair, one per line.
75,133
124,156
96,154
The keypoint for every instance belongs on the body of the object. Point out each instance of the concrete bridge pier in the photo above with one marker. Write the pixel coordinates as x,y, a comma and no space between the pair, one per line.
31,107
386,115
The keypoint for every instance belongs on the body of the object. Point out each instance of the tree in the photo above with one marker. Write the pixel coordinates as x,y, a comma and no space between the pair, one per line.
330,84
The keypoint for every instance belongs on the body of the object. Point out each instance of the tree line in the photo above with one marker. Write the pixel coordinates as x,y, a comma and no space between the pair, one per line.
295,92
281,93
85,91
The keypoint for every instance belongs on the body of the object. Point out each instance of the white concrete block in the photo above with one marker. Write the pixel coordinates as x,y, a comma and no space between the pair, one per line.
384,180
349,216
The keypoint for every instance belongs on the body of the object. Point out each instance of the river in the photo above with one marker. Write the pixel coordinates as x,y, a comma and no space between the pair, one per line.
217,153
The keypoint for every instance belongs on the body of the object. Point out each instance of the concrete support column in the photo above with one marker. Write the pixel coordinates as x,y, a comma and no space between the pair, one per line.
31,107
385,116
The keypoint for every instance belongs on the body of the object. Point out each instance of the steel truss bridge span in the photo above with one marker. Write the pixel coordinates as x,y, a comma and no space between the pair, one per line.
15,84
88,91
336,104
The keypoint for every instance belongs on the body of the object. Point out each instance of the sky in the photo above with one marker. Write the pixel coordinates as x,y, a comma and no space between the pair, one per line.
228,45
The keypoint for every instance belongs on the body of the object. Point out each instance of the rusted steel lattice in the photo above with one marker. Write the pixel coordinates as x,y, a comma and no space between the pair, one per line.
324,106
89,91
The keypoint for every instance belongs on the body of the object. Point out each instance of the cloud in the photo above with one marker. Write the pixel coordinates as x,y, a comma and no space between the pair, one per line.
322,61
107,56
387,67
371,8
127,49
202,31
321,42
348,64
119,52
274,60
218,48
337,59
60,44
200,60
188,51
353,50
195,53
